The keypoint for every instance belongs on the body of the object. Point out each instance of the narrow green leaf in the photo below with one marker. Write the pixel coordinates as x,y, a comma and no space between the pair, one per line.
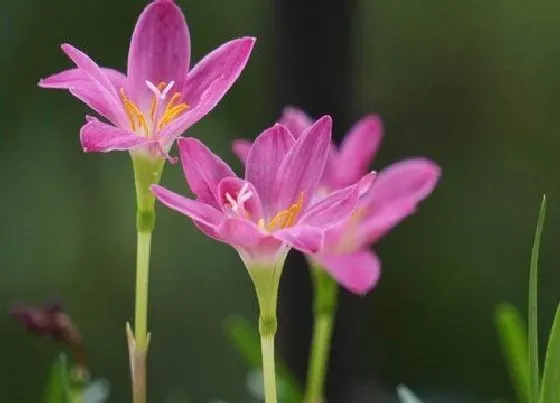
245,338
58,388
533,322
550,392
513,339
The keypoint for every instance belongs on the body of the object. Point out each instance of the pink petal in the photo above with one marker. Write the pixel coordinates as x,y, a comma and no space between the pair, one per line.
333,209
203,170
410,180
80,85
366,182
99,84
302,167
241,149
305,238
375,224
160,49
256,246
296,120
395,194
207,218
264,159
97,136
358,272
358,149
73,78
250,209
208,82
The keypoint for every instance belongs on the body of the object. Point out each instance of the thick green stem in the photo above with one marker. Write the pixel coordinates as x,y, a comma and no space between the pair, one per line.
147,172
267,280
324,309
269,371
142,272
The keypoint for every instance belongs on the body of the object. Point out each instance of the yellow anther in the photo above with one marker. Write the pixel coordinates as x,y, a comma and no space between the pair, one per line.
173,99
138,120
285,218
171,113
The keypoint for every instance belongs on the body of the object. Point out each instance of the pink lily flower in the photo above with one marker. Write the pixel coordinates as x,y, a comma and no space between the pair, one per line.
270,211
159,97
392,196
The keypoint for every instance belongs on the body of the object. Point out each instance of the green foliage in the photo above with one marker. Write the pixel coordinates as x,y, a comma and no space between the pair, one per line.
245,339
513,338
58,385
533,323
550,392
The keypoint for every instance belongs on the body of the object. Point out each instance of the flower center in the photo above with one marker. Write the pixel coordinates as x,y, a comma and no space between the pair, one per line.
285,218
158,119
237,205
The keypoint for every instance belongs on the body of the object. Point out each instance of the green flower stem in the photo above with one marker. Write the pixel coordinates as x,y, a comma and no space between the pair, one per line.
142,271
266,281
324,309
147,172
269,371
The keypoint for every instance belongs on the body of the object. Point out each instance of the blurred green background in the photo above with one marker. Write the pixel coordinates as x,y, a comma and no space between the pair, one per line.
471,84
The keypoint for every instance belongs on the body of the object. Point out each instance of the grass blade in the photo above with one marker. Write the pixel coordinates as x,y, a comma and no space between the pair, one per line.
533,322
513,338
550,392
58,388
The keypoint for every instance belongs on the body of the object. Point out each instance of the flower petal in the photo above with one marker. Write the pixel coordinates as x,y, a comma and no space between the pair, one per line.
358,149
74,78
302,167
409,180
208,82
296,120
207,218
97,136
366,182
100,84
203,170
333,209
160,49
241,149
305,238
255,246
395,194
358,272
264,159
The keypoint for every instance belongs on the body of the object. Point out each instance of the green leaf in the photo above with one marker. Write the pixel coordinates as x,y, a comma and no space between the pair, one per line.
245,338
550,392
513,339
58,386
533,329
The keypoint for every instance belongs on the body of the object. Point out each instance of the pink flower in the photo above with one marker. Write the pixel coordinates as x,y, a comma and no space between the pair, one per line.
384,202
159,97
268,212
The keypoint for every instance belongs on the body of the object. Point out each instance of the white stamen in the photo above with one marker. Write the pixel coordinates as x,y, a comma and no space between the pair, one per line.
234,205
243,195
160,94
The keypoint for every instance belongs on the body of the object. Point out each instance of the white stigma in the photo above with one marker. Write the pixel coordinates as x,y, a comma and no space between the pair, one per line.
160,94
243,196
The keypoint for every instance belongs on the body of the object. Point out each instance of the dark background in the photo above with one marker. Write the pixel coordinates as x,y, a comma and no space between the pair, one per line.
471,84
